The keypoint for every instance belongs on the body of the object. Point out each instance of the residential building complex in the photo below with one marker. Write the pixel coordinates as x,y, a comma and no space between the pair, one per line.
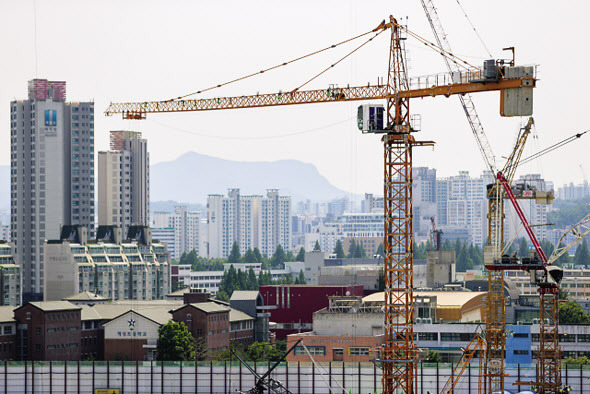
52,173
136,269
251,221
180,230
123,182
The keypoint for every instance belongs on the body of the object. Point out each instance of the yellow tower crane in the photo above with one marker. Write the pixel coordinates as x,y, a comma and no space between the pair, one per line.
399,356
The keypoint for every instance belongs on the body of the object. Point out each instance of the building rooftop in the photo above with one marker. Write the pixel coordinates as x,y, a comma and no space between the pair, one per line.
236,315
49,306
443,298
85,296
243,295
7,314
211,307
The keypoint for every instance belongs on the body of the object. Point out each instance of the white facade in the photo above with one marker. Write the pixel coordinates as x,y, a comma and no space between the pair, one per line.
535,213
252,221
462,203
123,181
52,173
5,233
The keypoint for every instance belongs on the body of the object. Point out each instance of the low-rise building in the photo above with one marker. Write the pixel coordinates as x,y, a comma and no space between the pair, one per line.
207,320
10,276
291,307
49,331
575,281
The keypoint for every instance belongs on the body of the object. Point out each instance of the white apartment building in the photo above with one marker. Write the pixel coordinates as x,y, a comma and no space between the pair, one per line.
52,173
575,281
251,221
5,233
180,230
574,192
123,181
462,203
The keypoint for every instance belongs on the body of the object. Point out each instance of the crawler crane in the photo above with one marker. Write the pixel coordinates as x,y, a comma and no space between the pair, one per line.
399,356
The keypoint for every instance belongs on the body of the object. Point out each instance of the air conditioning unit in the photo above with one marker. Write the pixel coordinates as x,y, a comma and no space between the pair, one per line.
519,323
418,320
536,320
428,320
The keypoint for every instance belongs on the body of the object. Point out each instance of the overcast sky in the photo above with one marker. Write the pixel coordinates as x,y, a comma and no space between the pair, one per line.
145,50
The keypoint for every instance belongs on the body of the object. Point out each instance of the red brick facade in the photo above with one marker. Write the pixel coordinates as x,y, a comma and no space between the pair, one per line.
213,326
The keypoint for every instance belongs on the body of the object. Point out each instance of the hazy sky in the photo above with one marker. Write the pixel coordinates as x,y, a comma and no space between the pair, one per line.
143,50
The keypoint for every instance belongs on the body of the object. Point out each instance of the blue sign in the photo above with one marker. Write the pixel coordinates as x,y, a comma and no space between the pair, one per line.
50,117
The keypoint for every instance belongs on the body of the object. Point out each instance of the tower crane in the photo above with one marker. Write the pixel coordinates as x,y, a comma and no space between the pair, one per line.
495,339
399,355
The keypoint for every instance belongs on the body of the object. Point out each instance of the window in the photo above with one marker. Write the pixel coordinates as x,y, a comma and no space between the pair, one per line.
7,330
313,350
338,351
521,335
359,351
521,352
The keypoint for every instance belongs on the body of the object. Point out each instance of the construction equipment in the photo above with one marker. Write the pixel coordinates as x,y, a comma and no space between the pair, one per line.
578,230
265,382
475,346
435,236
399,356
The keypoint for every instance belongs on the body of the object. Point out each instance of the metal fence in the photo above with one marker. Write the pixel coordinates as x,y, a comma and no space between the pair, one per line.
227,377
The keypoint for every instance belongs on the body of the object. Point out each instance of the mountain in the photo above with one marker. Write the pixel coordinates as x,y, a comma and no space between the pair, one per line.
193,176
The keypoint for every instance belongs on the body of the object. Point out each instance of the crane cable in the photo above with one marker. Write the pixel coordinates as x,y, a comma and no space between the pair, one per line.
474,29
450,56
553,147
278,65
341,59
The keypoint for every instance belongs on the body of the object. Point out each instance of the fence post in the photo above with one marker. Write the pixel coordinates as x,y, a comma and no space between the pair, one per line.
93,374
298,376
225,375
211,374
240,373
437,378
581,380
152,377
196,375
5,377
469,376
452,376
313,377
26,377
65,376
286,375
137,376
180,378
78,377
374,377
33,375
359,377
122,376
162,376
343,379
108,374
51,376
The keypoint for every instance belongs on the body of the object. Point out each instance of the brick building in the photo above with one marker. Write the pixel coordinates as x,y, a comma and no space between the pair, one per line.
206,319
50,331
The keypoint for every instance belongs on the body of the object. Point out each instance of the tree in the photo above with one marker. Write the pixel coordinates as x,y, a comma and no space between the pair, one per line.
249,257
300,280
351,249
175,342
234,255
339,250
433,357
258,256
571,312
381,281
565,258
201,349
583,360
222,296
229,281
359,251
380,251
252,282
523,248
316,247
278,258
300,255
582,256
547,247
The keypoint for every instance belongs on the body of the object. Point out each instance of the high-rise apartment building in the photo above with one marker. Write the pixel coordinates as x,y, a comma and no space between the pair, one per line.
462,204
251,221
180,230
123,181
52,173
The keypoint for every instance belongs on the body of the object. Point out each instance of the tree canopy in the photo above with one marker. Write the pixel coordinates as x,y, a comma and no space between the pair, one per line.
570,312
175,342
339,250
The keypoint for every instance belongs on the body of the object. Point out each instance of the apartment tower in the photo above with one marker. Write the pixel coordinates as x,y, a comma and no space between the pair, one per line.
123,182
52,173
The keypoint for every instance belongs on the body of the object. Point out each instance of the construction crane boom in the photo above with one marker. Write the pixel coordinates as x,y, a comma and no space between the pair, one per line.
139,110
476,344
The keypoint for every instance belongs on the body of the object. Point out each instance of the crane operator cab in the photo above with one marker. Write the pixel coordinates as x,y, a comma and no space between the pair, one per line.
371,118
